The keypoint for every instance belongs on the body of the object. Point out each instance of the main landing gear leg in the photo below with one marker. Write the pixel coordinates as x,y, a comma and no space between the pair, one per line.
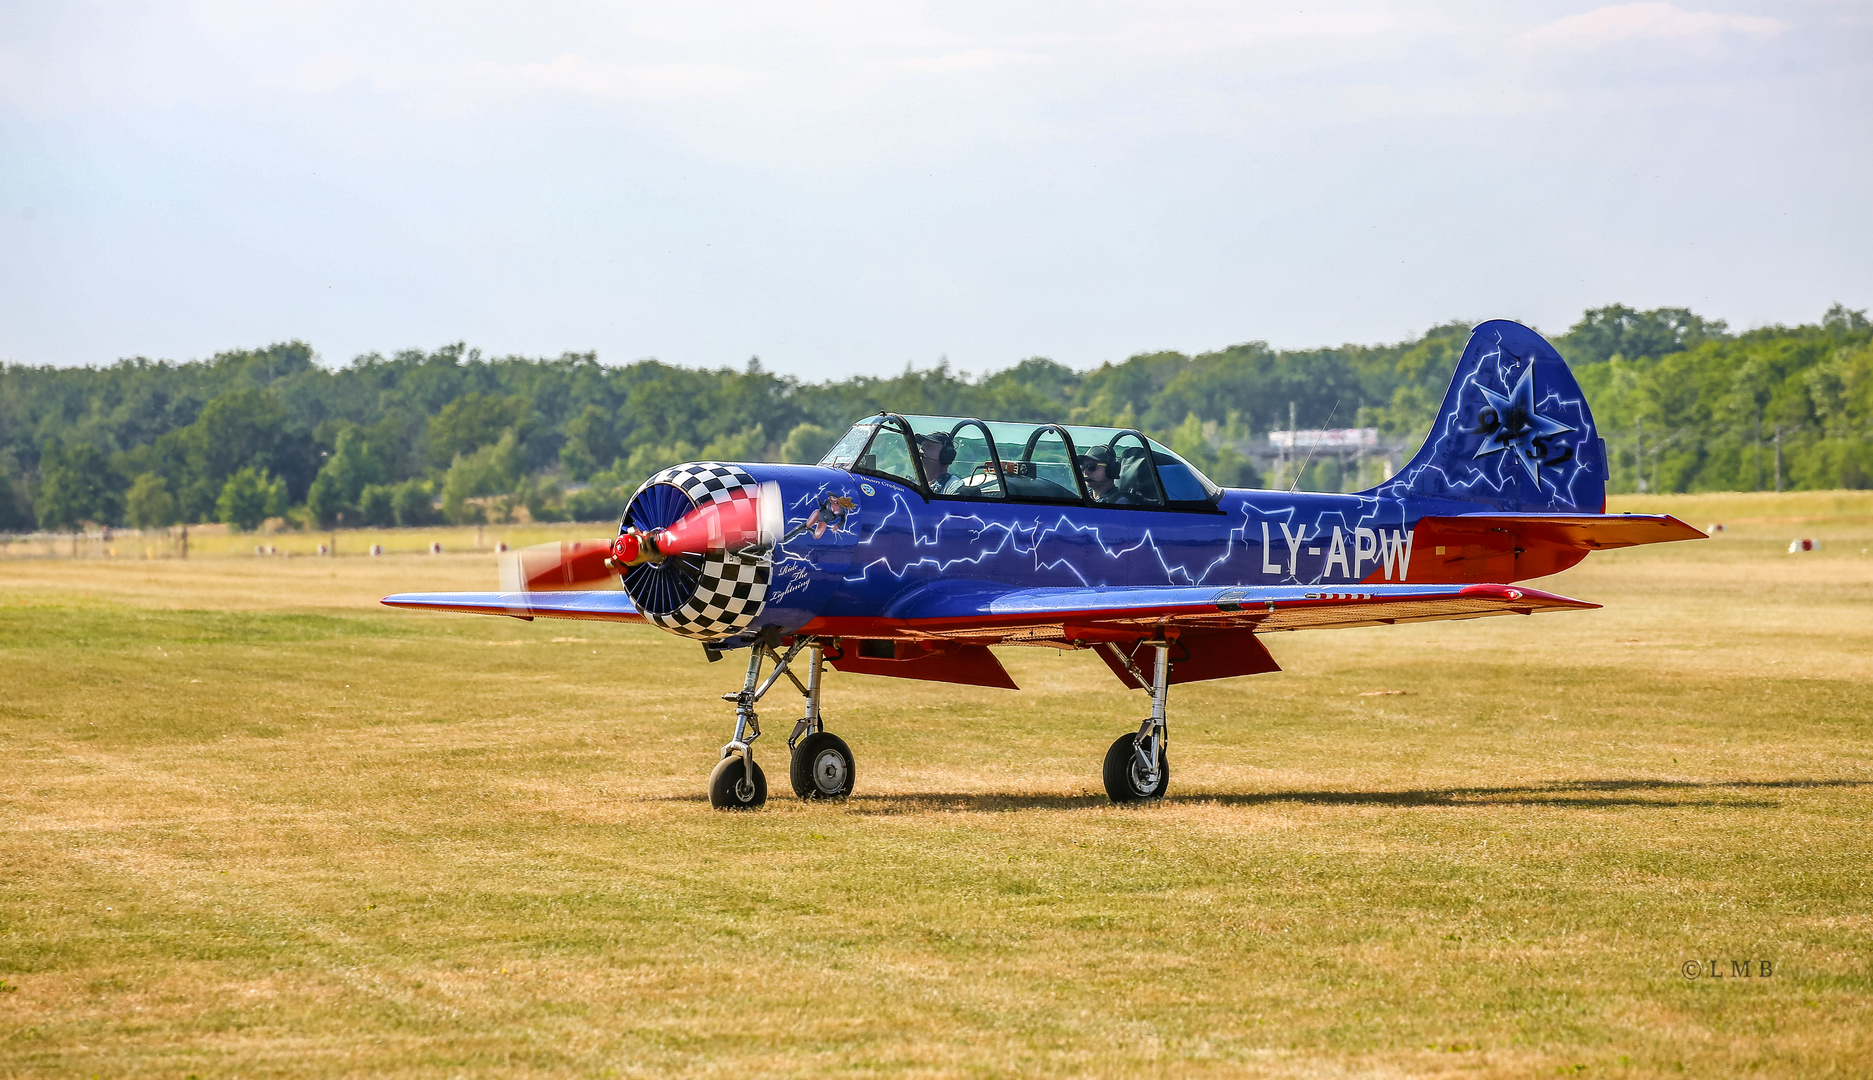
1136,767
822,766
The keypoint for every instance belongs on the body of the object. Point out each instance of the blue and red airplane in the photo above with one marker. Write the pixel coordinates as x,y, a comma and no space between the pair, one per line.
919,541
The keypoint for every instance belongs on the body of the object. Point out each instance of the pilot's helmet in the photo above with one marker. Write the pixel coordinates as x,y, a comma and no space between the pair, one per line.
1098,455
947,453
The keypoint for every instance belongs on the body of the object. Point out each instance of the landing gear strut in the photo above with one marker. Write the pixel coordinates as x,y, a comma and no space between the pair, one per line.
822,765
1137,769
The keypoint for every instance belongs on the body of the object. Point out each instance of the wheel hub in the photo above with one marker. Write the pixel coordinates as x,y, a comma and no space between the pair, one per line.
1144,782
829,771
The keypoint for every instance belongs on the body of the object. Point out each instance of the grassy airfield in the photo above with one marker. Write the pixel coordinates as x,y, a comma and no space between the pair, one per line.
251,824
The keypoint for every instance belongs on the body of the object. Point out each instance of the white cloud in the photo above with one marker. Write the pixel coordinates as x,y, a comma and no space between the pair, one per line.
1627,22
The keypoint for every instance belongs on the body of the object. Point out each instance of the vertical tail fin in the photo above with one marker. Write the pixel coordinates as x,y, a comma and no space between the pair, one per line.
1514,432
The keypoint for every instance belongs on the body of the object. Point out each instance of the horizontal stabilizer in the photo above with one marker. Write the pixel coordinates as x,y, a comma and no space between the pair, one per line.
1515,547
1588,532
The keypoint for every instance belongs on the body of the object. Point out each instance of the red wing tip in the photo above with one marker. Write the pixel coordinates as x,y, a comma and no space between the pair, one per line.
1674,522
1513,593
1671,522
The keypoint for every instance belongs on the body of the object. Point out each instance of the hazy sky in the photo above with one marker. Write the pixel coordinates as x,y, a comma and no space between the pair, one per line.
840,187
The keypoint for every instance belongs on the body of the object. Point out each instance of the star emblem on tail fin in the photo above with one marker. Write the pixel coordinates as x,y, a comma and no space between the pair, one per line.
1512,423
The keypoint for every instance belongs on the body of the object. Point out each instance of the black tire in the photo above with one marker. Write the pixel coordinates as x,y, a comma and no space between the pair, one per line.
1123,783
728,787
822,767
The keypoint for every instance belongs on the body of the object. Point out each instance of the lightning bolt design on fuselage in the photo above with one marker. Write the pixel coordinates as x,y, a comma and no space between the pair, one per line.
899,541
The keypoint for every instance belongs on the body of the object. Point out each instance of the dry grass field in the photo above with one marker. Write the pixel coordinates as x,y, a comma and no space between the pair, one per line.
252,824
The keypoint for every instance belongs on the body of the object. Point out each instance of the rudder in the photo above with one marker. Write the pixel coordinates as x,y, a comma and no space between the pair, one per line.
1514,432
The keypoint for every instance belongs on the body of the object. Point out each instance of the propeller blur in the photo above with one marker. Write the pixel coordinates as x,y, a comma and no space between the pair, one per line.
750,525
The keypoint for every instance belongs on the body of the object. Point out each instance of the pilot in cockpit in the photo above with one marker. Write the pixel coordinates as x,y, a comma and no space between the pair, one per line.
1097,465
938,450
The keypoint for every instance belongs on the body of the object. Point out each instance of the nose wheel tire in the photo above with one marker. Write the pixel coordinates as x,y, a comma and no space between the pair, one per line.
822,767
1125,781
729,788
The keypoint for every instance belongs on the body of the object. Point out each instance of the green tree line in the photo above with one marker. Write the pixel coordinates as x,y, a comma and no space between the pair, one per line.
1684,404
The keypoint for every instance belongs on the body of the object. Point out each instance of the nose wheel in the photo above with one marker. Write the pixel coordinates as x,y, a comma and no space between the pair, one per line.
737,784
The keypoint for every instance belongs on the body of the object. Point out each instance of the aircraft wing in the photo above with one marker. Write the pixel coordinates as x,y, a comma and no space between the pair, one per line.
942,631
608,605
1041,616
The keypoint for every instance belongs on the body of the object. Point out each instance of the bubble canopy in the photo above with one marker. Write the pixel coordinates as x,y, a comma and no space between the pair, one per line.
962,457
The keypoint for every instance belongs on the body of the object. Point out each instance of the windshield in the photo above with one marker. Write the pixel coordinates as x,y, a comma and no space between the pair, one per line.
845,452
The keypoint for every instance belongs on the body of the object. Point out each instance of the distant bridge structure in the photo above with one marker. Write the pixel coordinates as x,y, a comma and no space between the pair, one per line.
1335,459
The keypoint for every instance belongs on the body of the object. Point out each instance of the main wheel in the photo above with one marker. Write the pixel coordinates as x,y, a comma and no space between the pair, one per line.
822,767
1125,781
729,788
